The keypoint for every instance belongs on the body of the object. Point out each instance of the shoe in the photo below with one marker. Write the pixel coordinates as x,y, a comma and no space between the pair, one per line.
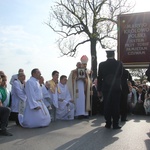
5,133
107,126
124,120
80,117
116,127
86,117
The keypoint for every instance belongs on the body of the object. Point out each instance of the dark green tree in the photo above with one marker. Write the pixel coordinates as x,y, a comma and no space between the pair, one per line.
82,21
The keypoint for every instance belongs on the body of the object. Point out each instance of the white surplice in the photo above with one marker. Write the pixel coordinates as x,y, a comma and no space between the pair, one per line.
65,110
54,97
18,98
34,118
46,96
13,78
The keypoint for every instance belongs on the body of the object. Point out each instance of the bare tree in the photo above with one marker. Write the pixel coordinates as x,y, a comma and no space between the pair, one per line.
82,21
138,73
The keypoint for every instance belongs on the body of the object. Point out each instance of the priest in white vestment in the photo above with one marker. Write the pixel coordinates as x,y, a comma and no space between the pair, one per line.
18,97
65,110
80,89
36,113
15,76
45,93
54,90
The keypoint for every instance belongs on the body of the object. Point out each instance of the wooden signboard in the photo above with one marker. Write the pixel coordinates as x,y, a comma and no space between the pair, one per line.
134,39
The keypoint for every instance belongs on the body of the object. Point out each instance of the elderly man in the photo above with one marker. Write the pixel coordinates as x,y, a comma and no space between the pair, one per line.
79,87
15,76
35,114
18,97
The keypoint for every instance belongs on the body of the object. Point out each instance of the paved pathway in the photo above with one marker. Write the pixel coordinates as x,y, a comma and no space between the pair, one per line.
81,135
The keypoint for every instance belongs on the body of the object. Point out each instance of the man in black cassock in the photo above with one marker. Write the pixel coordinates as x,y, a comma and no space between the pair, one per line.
109,84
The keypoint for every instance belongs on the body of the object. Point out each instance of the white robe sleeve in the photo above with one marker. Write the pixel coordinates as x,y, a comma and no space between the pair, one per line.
20,92
31,94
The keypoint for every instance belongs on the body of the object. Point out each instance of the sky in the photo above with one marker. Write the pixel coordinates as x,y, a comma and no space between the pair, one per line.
27,42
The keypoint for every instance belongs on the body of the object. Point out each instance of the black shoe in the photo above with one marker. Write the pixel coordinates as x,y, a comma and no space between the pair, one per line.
79,117
116,127
86,117
5,133
107,126
124,120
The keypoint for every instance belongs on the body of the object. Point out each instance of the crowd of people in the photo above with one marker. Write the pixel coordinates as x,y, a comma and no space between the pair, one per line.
35,102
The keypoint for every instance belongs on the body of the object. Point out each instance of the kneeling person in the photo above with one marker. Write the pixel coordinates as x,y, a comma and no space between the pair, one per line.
65,110
35,114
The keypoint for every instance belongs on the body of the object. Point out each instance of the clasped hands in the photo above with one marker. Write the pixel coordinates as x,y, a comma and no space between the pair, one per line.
37,108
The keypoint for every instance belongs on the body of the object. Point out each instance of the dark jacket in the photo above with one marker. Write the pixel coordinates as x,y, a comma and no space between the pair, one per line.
142,96
139,108
109,75
125,77
147,73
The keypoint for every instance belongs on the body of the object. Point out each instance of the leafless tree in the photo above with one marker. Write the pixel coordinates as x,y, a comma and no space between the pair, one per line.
82,21
139,74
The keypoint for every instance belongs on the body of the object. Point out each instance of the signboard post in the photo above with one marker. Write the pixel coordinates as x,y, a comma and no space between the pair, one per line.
134,39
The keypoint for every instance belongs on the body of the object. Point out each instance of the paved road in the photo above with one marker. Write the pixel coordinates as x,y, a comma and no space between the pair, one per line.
81,135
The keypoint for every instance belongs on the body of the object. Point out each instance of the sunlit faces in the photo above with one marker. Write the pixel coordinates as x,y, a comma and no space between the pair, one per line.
4,81
41,80
84,65
78,64
63,81
21,76
140,89
55,77
37,74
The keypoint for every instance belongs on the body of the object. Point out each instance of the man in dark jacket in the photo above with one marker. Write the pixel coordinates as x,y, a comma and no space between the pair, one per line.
4,115
124,94
109,84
